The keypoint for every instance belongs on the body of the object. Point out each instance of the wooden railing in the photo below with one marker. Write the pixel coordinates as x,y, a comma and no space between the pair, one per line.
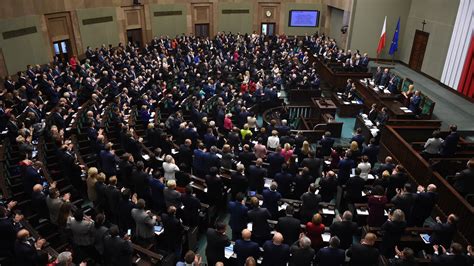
450,201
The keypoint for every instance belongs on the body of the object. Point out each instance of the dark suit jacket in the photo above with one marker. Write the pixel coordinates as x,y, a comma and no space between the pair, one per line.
443,234
238,216
328,189
464,182
345,230
258,217
244,249
326,145
451,260
275,255
190,214
300,256
363,255
284,180
450,144
405,202
314,165
31,177
8,233
108,162
113,196
360,139
422,207
290,228
345,168
173,231
393,231
275,160
26,254
216,243
117,251
256,178
330,256
371,151
354,187
270,201
309,206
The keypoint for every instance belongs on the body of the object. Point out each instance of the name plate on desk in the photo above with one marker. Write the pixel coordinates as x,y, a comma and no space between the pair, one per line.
328,211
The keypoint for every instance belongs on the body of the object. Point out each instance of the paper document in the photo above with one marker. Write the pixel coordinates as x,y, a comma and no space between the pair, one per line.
362,212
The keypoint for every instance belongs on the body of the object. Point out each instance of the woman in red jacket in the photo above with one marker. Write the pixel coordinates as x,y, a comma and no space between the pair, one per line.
314,231
73,62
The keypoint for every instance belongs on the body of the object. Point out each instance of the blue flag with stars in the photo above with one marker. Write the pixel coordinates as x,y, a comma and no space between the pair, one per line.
394,44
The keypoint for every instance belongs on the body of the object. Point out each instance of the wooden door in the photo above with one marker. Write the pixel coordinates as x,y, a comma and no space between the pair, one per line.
418,50
201,30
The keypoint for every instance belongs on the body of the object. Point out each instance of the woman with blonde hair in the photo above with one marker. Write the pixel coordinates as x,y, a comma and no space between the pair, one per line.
287,152
355,151
90,181
304,151
393,230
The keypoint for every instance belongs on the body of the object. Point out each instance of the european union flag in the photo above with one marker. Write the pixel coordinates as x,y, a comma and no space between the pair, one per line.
394,44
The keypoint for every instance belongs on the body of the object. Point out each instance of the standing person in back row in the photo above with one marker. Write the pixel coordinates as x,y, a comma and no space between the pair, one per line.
450,143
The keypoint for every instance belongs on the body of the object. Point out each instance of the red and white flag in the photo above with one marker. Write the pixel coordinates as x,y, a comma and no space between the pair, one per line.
382,37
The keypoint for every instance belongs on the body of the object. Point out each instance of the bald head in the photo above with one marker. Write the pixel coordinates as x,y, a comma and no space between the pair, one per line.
246,234
431,188
37,188
23,234
277,238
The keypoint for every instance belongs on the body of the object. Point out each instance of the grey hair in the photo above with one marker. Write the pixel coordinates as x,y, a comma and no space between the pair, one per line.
305,242
334,242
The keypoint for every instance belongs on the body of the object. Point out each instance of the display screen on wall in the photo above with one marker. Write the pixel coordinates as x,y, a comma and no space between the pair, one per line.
304,18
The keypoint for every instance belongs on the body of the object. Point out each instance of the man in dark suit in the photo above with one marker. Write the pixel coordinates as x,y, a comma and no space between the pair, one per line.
372,152
117,251
256,176
301,252
443,233
378,76
388,165
385,78
27,251
275,160
126,204
331,255
289,226
258,217
284,180
270,199
108,160
450,143
200,165
112,195
454,257
140,180
398,179
373,113
354,187
359,138
326,144
424,204
186,153
464,180
191,207
31,177
313,164
310,204
345,167
344,229
8,233
173,231
275,252
245,247
328,187
383,117
216,243
247,156
364,254
238,215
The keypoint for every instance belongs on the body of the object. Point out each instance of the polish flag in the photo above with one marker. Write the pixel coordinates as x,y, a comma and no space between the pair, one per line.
382,37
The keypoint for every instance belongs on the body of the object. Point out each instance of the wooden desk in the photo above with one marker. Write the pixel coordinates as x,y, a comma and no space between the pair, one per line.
347,108
336,80
324,105
394,110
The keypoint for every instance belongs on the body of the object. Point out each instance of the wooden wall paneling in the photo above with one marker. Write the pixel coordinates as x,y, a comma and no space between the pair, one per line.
134,18
274,8
203,13
60,27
